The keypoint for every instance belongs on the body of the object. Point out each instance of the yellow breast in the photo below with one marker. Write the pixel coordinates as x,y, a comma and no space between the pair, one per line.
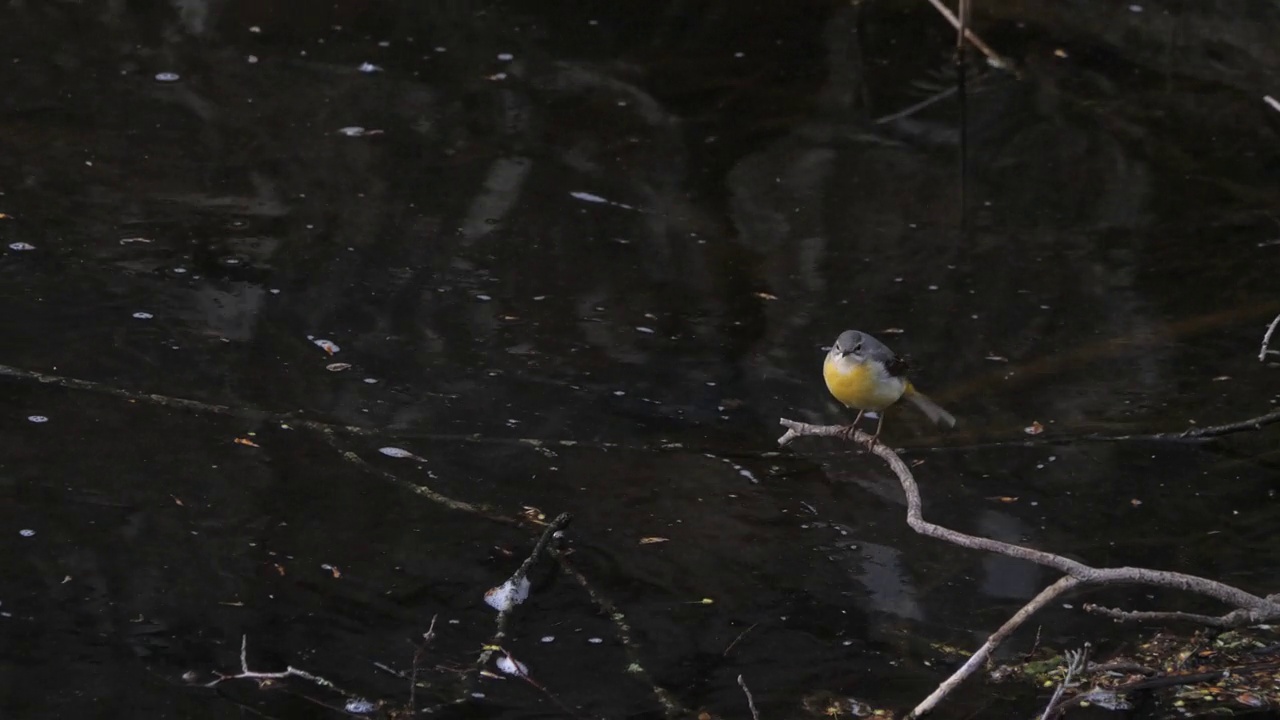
861,386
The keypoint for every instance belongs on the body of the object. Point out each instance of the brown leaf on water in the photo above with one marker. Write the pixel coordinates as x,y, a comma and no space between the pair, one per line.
1035,428
1135,502
279,569
533,514
1003,498
653,540
244,441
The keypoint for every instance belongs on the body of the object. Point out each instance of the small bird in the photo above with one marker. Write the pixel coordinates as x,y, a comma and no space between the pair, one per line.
864,374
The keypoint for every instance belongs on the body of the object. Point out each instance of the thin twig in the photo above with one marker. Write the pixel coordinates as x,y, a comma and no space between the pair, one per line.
1266,338
751,702
1077,661
735,640
518,578
289,671
427,637
992,56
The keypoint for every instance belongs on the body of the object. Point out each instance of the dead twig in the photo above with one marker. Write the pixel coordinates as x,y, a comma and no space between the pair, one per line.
1266,337
1077,661
289,671
1251,609
751,702
992,56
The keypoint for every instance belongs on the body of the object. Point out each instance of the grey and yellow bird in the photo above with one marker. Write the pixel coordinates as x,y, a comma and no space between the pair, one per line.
864,374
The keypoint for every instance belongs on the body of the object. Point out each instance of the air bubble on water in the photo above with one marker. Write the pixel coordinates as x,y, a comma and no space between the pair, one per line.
595,640
368,67
371,381
140,315
26,532
37,419
351,131
548,638
506,57
167,77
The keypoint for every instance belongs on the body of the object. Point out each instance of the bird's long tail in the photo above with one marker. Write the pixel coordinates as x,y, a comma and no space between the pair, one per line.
929,407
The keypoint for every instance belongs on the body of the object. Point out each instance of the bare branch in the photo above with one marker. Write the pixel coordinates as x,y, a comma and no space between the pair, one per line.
1266,338
979,658
1264,609
1251,609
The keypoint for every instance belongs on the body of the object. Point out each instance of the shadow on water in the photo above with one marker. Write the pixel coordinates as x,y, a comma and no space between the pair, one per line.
635,228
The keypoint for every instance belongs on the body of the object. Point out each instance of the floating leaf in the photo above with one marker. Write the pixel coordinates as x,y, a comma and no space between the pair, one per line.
1035,428
653,540
1003,498
246,441
337,367
396,452
21,246
333,570
765,296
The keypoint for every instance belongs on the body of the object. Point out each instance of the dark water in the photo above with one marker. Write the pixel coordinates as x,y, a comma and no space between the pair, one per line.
634,227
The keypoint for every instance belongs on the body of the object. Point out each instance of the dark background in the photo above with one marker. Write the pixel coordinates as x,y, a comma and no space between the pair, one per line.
1120,268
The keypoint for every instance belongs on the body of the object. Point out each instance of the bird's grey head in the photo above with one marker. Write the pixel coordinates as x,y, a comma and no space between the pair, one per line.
849,342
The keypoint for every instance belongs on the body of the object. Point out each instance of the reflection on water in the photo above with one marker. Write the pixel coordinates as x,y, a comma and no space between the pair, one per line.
634,229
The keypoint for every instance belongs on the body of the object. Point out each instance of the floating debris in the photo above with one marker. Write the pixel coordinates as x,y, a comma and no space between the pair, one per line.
360,706
592,198
167,77
508,595
140,315
27,532
37,419
401,453
368,67
21,246
1035,428
327,345
511,666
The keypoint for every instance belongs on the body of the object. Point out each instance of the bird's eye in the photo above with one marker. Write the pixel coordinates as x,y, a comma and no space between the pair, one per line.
857,348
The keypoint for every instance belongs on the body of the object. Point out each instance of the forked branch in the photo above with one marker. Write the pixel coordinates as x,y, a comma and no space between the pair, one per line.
1249,609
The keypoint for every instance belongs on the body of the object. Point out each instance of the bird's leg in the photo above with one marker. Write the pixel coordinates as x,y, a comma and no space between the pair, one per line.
852,427
876,438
